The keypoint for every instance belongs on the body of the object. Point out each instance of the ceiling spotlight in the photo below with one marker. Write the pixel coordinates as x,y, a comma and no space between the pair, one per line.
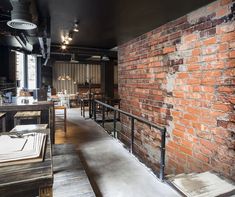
63,46
75,28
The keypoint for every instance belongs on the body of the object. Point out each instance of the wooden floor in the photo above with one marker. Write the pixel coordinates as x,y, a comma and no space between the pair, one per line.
70,178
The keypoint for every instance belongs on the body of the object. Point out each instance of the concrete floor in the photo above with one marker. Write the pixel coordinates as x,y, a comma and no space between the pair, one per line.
113,171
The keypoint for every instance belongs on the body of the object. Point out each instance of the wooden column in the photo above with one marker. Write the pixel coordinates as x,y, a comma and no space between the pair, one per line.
107,78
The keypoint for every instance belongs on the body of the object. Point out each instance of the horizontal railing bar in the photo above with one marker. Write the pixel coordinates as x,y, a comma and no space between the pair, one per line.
162,129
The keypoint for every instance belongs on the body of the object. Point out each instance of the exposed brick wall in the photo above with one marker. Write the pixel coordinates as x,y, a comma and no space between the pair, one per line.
182,75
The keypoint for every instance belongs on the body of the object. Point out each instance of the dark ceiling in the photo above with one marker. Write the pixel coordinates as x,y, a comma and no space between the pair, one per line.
108,23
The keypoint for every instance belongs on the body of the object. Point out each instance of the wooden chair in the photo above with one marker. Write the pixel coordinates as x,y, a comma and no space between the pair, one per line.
63,114
3,120
27,115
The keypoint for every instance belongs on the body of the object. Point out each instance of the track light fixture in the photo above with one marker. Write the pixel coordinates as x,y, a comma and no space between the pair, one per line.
75,27
69,37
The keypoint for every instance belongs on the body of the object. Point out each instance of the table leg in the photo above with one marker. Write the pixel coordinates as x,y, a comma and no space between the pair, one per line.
15,122
51,114
38,120
4,124
84,109
46,192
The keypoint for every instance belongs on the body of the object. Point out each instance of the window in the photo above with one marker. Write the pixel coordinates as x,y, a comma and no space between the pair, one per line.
20,70
32,72
26,78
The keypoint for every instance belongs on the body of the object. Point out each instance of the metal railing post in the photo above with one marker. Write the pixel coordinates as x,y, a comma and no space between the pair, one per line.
163,149
114,124
84,111
94,110
103,116
90,107
132,133
81,106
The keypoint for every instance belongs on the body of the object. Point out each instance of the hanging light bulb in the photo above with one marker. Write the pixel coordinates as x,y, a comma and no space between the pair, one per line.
66,41
63,46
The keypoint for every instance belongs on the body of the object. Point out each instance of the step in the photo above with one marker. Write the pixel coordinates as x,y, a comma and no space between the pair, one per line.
206,184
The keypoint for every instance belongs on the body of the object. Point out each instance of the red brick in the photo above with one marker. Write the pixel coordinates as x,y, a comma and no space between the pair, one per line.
232,54
194,67
223,47
190,38
190,117
196,52
213,6
185,150
178,94
178,133
222,107
183,75
228,37
179,127
225,2
222,12
168,49
207,144
201,157
209,41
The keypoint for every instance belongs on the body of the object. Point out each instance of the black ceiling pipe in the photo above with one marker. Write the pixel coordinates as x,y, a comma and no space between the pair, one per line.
21,17
21,10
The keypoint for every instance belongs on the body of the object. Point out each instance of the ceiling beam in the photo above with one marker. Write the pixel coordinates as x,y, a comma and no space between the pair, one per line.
83,51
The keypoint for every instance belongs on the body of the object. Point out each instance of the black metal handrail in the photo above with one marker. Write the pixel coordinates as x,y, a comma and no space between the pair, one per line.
162,129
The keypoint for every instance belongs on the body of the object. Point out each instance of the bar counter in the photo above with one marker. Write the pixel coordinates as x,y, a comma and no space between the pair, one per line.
46,107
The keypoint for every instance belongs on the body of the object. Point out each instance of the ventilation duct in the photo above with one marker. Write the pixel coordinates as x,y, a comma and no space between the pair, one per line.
21,17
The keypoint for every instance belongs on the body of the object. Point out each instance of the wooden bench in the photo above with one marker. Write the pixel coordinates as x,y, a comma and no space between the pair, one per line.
27,115
3,120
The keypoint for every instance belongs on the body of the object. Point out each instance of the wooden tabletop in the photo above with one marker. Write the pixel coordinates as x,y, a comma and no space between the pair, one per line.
25,114
40,105
16,179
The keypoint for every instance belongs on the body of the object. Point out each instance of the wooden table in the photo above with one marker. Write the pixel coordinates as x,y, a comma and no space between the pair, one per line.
46,106
16,180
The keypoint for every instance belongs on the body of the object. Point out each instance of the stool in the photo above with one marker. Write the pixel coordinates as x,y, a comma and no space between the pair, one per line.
3,119
63,114
27,115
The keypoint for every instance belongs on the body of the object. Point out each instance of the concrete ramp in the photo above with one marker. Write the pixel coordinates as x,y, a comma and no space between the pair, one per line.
117,173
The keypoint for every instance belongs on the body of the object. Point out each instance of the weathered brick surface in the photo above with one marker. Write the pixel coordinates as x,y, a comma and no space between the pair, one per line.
182,75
